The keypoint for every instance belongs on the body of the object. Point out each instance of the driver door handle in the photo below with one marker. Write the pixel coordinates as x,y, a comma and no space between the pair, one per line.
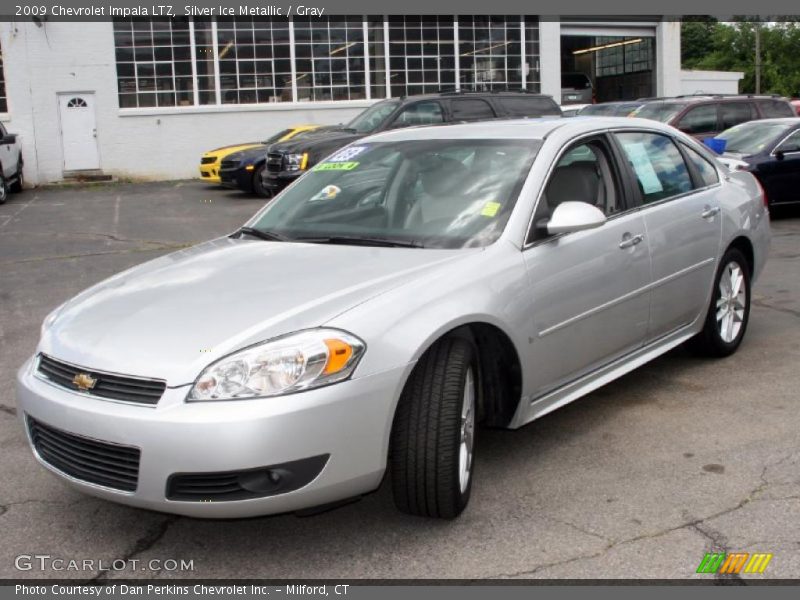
709,211
628,240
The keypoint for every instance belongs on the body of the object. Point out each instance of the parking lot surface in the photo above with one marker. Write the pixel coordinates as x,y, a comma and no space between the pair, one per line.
639,479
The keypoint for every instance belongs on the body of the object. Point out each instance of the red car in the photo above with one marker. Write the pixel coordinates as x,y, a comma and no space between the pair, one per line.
796,104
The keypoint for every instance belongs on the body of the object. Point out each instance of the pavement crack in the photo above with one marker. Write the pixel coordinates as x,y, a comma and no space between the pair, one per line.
788,311
143,544
9,410
582,529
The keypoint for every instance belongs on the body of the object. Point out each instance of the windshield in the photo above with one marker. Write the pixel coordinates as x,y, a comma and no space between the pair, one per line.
614,110
371,118
752,137
426,193
658,111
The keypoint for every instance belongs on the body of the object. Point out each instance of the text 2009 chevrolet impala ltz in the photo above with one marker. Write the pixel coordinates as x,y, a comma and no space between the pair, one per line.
408,288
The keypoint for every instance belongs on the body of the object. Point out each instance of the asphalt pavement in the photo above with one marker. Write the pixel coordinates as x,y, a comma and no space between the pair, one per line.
637,480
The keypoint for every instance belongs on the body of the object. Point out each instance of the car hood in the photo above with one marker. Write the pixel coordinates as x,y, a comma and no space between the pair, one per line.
232,148
253,154
171,317
316,140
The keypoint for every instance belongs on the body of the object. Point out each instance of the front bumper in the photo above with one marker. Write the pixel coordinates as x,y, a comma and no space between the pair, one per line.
277,181
239,178
349,421
210,172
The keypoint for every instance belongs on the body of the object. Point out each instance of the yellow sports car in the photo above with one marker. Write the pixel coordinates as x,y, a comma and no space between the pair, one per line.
210,161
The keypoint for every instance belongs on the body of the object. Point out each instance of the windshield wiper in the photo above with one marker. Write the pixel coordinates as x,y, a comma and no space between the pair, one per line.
263,235
360,241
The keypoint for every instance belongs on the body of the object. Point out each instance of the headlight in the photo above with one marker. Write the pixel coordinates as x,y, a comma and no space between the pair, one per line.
293,363
297,162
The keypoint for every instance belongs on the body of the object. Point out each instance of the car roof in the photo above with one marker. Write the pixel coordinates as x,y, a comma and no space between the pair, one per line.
538,128
696,98
468,94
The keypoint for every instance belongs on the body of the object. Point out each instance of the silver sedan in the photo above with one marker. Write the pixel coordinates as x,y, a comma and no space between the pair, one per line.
407,289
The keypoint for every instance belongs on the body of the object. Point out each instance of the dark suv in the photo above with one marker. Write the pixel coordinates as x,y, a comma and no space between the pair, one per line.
286,161
705,116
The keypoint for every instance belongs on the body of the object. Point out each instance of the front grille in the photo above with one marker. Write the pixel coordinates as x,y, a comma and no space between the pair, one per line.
107,385
229,164
86,459
207,160
275,162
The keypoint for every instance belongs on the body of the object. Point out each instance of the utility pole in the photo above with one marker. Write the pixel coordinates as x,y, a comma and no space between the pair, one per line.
758,56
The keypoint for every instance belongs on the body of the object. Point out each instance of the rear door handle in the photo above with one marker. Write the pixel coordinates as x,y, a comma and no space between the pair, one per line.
628,240
709,211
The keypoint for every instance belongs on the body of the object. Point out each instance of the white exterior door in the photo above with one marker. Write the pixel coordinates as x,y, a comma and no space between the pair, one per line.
78,131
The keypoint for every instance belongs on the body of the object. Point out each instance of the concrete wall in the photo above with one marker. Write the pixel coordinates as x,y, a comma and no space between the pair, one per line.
162,143
710,82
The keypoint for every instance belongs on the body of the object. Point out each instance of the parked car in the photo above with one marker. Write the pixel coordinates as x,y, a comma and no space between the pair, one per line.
11,178
706,116
407,288
572,110
242,169
576,88
622,108
770,150
210,161
796,105
287,161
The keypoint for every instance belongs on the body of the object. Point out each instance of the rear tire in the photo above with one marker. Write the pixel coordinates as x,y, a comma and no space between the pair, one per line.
432,442
19,184
729,311
258,187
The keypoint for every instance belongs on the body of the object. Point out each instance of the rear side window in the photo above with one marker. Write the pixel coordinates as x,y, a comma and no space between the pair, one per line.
471,109
733,113
528,107
775,108
700,119
658,165
708,174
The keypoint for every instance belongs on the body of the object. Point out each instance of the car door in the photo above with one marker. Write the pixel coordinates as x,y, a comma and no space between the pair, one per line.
780,173
679,191
590,300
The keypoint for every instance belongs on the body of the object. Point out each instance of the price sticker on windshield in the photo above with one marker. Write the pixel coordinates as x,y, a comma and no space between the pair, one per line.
335,166
346,155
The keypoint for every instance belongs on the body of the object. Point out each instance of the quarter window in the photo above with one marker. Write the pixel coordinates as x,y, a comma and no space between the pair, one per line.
708,173
700,119
658,165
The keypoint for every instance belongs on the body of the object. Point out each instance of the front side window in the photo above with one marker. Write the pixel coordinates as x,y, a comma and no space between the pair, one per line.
373,117
790,144
658,165
420,113
707,171
700,119
429,193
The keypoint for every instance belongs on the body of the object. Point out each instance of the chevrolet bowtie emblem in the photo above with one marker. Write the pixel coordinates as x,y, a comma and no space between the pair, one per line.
84,381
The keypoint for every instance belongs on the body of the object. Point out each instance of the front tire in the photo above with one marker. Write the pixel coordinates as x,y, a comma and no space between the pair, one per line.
3,190
258,186
19,184
729,311
433,436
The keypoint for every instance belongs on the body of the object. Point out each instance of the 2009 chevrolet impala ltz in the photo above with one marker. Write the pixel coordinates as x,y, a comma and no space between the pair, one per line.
404,290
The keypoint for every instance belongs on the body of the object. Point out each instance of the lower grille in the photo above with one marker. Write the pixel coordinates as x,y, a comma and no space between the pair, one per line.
106,385
275,162
207,160
204,174
229,164
86,459
242,485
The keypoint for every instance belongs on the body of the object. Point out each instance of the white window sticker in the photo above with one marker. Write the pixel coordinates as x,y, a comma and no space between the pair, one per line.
347,154
637,154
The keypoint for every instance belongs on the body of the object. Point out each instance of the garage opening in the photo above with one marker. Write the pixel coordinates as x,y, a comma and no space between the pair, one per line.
602,66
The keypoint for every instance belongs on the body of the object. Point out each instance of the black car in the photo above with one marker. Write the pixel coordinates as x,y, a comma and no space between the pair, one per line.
242,169
286,161
770,149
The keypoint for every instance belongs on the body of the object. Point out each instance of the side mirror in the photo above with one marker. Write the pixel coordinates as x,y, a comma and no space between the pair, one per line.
8,138
575,216
779,155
